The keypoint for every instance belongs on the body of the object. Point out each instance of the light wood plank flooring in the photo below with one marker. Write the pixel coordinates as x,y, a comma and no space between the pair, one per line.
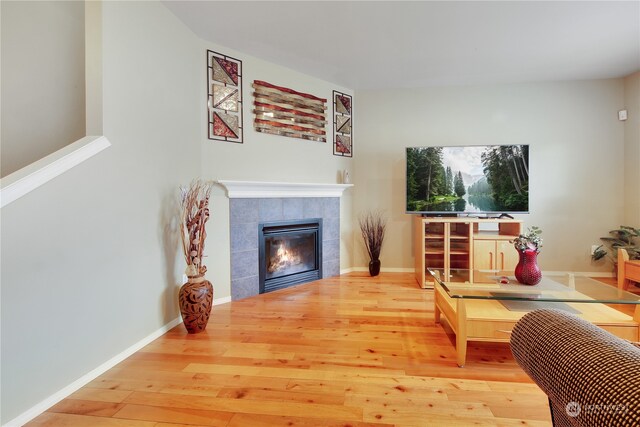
346,351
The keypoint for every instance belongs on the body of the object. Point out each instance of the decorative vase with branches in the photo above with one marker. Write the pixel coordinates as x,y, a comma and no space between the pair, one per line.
196,296
372,227
528,246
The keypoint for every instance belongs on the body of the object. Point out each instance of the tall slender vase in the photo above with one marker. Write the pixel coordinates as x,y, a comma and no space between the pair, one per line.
527,271
196,298
374,267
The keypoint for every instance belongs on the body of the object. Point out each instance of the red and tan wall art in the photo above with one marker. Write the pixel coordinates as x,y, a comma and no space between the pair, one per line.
342,124
225,97
282,111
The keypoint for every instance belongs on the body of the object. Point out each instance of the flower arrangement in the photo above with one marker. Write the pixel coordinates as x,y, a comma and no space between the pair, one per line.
531,240
195,214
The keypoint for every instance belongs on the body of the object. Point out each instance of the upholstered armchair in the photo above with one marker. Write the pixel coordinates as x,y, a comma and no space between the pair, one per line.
592,378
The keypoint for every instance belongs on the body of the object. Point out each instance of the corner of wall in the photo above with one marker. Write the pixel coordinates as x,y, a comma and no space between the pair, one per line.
632,150
93,66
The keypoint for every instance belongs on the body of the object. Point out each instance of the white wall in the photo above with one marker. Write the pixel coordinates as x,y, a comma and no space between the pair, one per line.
270,158
89,261
576,166
632,150
43,92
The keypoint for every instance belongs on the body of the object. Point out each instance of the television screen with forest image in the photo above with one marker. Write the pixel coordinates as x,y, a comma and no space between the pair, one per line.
468,179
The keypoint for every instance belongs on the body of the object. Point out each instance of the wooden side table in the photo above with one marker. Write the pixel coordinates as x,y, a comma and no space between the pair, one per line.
628,270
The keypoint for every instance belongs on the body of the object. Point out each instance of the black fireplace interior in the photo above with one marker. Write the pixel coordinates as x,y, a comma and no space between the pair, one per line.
290,253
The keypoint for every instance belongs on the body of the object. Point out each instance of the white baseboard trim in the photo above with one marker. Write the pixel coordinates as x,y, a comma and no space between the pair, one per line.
36,410
396,270
411,270
222,300
580,273
39,408
385,269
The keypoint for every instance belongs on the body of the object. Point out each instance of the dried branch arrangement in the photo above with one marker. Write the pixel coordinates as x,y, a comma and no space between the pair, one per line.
195,213
372,226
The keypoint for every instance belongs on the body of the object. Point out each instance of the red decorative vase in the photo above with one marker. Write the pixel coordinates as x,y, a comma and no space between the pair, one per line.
527,271
196,298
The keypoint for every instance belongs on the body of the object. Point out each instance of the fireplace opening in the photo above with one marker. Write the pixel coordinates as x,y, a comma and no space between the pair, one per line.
290,253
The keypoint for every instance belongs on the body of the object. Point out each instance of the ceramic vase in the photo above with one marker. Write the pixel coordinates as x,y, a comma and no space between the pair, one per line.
527,271
196,298
374,267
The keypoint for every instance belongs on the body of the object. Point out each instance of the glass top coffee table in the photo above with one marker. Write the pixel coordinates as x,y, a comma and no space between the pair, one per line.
487,308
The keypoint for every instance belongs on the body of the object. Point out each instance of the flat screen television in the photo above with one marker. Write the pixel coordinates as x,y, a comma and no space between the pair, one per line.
473,180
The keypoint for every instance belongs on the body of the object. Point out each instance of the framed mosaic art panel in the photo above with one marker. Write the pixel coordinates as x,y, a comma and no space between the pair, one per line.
224,101
342,124
282,111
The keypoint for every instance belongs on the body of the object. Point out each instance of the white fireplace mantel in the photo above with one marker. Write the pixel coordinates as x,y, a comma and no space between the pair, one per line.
259,189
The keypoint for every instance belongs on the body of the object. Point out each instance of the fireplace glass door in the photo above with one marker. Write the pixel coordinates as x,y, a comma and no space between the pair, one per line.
290,253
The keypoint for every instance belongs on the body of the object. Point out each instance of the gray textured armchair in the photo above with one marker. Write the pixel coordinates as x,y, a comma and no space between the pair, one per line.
592,378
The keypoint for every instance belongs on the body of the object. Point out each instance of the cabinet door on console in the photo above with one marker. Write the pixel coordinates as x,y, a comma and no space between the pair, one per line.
484,254
508,256
494,255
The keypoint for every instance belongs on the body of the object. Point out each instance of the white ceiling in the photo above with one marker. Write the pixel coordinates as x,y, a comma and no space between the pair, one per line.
393,44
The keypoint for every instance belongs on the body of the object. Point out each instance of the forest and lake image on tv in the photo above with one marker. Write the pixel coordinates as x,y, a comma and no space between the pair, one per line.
469,179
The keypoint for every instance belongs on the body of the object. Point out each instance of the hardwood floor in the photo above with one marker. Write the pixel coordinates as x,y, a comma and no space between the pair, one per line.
346,351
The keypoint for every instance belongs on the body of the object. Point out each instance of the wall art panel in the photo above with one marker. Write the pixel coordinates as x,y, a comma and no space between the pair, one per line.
224,77
282,111
342,124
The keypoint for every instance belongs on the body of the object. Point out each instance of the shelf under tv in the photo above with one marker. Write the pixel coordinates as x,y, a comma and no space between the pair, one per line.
458,243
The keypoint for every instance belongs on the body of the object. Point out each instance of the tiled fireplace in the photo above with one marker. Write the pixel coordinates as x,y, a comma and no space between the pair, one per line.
278,203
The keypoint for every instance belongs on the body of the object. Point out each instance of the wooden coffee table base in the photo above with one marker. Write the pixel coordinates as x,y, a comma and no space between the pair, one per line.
489,320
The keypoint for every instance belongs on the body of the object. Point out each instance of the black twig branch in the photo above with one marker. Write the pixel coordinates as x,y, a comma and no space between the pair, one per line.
372,226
